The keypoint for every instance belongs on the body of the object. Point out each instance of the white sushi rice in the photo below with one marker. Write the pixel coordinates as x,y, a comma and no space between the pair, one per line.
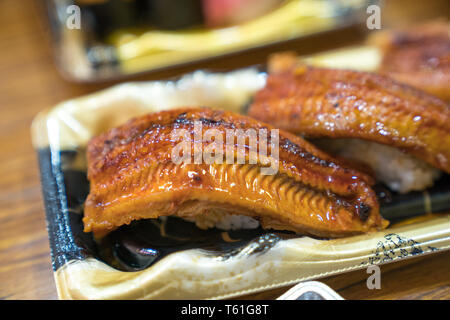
399,171
224,221
234,222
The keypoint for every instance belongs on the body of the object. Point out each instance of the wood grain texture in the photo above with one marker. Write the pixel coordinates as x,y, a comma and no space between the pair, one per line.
29,83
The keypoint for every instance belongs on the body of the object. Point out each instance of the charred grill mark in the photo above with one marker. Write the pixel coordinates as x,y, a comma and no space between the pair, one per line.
181,119
295,150
359,209
214,122
363,211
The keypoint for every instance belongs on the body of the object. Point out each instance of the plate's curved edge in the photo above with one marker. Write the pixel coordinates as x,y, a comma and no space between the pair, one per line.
192,274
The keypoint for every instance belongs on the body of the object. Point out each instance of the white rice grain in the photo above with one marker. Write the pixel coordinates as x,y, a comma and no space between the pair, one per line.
399,171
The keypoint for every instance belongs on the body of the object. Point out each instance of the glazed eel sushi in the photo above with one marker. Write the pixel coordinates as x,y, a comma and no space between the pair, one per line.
399,133
133,176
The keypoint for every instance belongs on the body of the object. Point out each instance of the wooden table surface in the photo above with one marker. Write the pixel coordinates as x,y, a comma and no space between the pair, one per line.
29,82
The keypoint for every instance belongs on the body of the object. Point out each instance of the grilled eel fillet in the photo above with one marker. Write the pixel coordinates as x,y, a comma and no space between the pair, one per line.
133,177
328,103
419,56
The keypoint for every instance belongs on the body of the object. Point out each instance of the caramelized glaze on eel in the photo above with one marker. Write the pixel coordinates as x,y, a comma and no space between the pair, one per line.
320,102
132,176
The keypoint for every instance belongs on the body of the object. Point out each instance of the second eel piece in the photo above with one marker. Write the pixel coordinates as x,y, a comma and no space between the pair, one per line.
133,176
401,133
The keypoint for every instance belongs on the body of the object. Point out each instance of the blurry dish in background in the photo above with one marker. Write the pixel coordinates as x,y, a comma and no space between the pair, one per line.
220,13
119,38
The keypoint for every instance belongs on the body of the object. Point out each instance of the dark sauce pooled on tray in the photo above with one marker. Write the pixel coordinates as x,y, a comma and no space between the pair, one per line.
144,242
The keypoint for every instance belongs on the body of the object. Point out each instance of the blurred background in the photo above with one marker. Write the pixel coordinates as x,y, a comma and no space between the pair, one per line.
96,40
43,61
